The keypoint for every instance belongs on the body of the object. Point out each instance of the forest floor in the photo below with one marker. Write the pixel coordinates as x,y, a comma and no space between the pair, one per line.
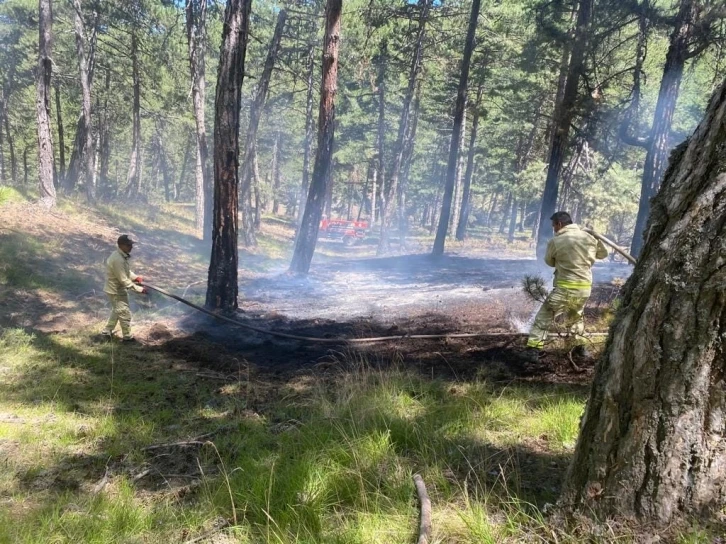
209,433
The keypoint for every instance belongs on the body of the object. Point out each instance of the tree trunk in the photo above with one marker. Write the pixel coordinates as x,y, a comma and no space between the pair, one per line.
308,134
256,181
374,196
456,200
83,67
466,194
407,160
307,236
11,151
389,193
652,442
562,121
440,240
42,103
276,175
512,221
105,138
25,166
61,136
248,227
379,175
506,213
133,179
222,281
492,208
658,142
180,184
196,14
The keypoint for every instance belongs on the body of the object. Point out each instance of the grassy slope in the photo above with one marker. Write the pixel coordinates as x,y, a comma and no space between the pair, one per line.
325,457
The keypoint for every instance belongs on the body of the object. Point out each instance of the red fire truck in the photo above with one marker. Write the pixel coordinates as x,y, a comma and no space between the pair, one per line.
349,232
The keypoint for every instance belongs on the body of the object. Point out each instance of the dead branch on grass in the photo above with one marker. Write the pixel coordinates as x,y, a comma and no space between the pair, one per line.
424,532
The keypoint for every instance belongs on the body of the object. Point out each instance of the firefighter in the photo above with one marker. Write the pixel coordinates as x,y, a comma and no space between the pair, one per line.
571,252
119,280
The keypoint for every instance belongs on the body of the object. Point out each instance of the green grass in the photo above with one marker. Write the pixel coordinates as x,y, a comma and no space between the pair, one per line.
326,461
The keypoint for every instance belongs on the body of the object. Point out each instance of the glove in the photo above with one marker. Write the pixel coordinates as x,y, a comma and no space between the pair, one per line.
139,279
144,291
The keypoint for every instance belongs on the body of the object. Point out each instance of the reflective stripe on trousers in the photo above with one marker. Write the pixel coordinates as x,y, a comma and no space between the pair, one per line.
561,301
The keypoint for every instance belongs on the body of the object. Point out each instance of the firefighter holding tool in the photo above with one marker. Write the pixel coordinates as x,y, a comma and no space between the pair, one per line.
572,253
119,281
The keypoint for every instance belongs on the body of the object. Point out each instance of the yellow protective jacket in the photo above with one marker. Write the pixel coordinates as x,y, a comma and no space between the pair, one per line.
119,277
572,252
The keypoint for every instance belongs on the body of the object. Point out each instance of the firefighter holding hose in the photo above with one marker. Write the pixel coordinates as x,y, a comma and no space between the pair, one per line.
572,253
119,280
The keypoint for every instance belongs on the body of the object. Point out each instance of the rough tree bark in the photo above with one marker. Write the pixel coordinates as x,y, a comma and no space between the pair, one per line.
307,235
42,104
133,179
389,193
658,142
466,194
196,14
83,66
652,442
561,124
222,286
440,240
308,142
379,175
258,103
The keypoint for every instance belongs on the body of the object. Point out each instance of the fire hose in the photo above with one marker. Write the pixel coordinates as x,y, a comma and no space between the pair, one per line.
319,340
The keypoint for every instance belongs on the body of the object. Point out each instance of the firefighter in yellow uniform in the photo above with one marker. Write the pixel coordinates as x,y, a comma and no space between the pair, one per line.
119,280
571,252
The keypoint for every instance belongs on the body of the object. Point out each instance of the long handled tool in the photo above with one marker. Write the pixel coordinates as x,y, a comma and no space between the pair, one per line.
613,245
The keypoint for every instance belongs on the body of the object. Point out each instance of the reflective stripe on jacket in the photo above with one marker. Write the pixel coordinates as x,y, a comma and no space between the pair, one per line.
119,277
572,252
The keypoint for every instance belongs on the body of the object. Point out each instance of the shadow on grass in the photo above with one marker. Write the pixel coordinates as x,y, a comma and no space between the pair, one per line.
297,442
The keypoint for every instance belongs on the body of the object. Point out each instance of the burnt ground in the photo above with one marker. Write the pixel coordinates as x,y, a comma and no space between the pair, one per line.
393,296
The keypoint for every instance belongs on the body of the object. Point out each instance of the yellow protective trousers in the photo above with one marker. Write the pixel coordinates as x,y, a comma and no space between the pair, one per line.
120,313
569,303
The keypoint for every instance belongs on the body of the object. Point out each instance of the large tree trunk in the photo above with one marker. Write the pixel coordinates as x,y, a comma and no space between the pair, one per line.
389,193
42,103
658,144
307,236
222,281
562,121
196,11
133,179
440,240
456,200
183,174
466,194
308,142
652,440
248,224
83,66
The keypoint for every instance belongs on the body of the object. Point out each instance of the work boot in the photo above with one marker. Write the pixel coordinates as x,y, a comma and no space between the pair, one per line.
531,355
129,340
107,335
581,352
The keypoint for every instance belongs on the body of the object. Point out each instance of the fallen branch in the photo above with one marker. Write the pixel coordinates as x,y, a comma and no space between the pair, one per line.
424,531
572,362
208,533
102,484
174,445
